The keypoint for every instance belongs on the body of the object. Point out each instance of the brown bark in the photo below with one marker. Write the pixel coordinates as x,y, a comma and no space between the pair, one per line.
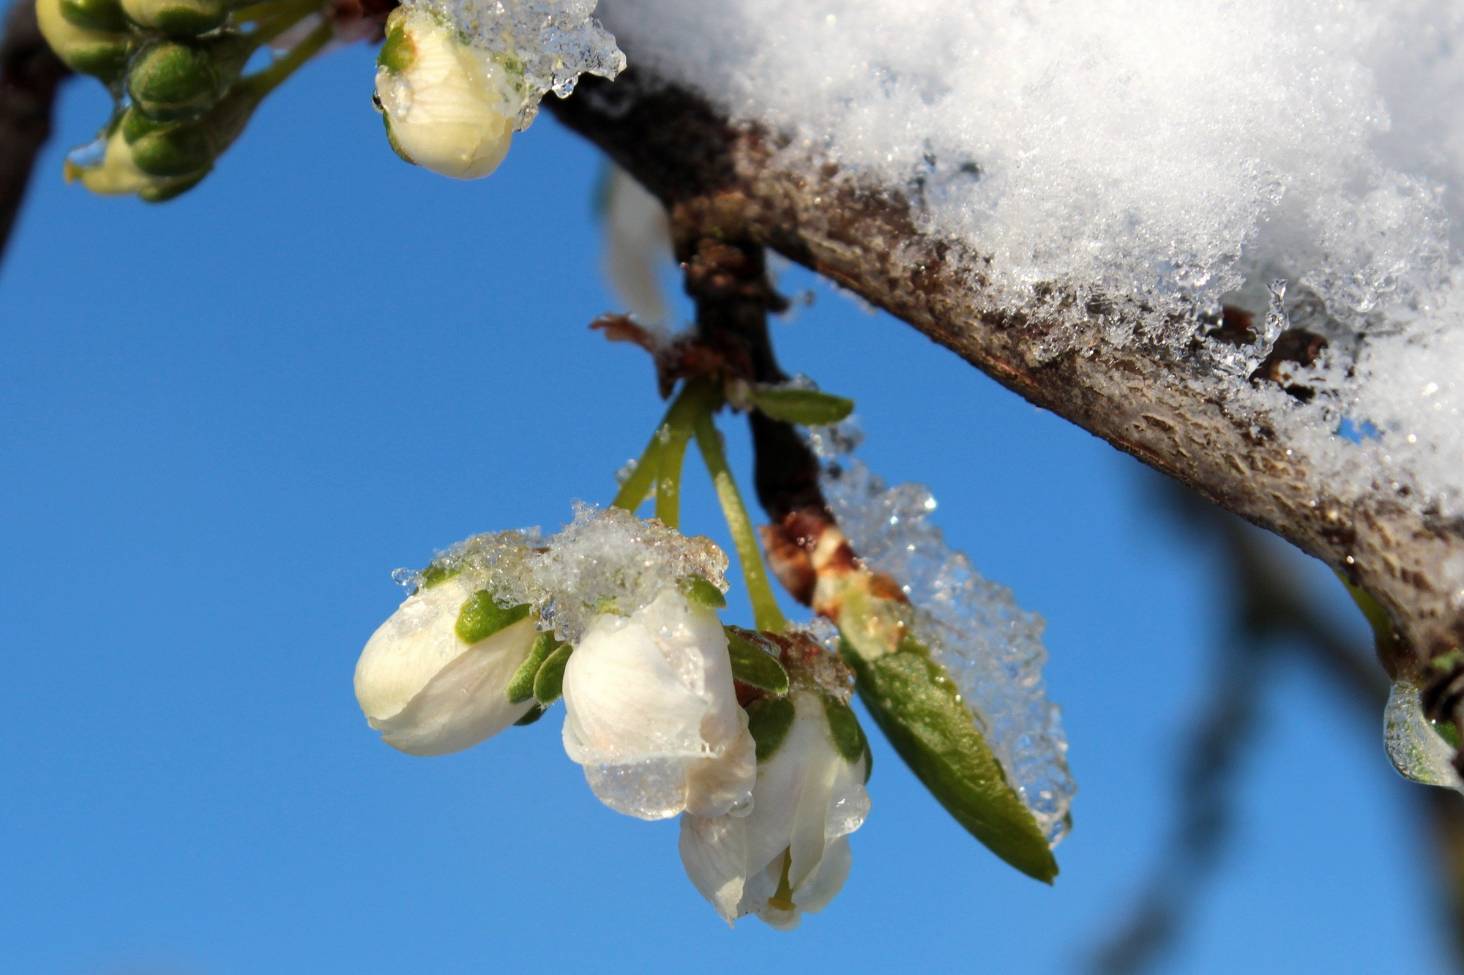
727,182
29,77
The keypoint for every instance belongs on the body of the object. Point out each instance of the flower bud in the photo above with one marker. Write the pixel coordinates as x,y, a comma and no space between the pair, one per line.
434,677
119,174
790,855
83,49
103,15
180,18
447,106
173,80
167,149
651,714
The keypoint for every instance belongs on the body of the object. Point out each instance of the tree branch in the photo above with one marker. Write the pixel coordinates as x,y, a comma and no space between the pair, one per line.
29,77
729,182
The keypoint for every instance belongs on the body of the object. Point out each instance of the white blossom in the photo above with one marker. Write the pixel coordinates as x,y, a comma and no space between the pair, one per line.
426,689
651,714
449,107
790,855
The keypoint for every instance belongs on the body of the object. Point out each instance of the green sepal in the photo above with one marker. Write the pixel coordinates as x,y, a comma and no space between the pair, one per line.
754,666
915,703
531,716
844,729
703,593
521,684
807,407
768,721
437,573
105,15
481,617
398,52
549,683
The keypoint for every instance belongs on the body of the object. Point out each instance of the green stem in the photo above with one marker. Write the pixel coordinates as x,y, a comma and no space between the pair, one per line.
765,611
660,462
273,76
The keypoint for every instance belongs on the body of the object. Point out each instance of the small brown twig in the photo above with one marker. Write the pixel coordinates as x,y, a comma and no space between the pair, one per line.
30,75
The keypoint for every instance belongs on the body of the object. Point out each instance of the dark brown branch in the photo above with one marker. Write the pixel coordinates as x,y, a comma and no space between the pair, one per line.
29,77
727,182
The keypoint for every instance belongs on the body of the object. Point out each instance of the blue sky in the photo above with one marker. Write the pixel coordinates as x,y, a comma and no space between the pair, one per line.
228,418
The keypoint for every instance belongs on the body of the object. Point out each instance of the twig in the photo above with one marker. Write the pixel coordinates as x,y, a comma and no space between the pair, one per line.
30,75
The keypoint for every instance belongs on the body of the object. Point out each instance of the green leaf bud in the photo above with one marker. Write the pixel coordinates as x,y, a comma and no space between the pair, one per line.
399,51
105,15
100,53
180,149
163,190
521,684
172,80
179,18
703,593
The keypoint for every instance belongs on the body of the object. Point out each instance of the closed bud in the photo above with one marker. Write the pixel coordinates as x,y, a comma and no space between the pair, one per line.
790,855
180,18
435,677
448,107
651,712
105,15
85,50
173,80
118,174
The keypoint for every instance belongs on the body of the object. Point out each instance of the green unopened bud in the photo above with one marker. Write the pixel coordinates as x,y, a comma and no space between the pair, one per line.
83,49
180,18
95,14
173,80
117,173
174,150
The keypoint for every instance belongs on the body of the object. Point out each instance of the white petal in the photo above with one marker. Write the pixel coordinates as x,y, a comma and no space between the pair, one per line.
714,853
827,880
427,691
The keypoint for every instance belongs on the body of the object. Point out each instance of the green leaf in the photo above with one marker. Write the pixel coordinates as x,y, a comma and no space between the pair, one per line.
703,593
914,701
807,407
754,666
549,684
481,617
768,721
521,684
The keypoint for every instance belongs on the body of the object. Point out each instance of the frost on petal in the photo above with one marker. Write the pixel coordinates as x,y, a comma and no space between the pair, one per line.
547,43
651,713
427,691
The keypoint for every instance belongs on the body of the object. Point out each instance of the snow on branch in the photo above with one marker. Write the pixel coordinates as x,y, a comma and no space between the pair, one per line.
1258,388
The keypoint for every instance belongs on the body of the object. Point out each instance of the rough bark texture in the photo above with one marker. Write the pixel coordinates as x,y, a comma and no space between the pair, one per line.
729,182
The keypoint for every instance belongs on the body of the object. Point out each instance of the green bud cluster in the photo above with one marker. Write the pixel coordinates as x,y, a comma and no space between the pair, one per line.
175,69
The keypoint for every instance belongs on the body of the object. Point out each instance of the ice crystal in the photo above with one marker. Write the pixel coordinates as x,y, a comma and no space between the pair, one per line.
1415,748
604,560
1126,167
974,628
552,42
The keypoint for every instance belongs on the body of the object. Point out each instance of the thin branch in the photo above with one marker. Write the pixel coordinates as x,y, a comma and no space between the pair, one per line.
29,78
722,181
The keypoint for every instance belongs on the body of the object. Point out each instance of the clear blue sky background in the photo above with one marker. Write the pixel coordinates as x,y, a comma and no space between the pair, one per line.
225,420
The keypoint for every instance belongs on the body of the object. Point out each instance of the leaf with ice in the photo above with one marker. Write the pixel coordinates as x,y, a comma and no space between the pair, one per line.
1417,751
988,648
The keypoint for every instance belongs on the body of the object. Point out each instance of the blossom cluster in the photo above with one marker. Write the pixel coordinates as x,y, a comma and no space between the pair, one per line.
747,737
